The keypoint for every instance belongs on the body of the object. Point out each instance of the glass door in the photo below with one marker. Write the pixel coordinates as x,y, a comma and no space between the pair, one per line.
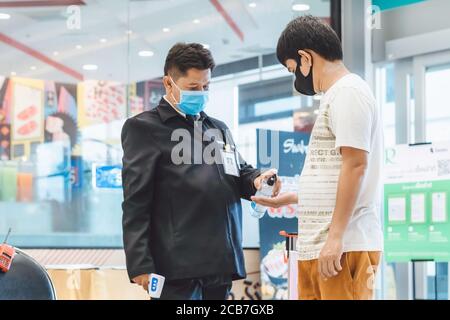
432,74
432,113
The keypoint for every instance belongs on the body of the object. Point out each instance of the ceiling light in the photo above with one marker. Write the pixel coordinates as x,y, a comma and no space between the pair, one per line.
78,46
55,53
196,21
166,29
146,53
205,45
103,40
4,16
13,73
90,67
252,4
300,7
33,68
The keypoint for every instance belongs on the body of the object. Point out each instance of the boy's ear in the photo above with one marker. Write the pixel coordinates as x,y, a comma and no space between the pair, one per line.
305,55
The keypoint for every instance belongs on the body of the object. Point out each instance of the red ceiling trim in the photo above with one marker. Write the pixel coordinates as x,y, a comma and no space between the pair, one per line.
228,18
36,54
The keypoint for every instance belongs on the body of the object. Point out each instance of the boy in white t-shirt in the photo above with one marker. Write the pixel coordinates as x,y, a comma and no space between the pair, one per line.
340,236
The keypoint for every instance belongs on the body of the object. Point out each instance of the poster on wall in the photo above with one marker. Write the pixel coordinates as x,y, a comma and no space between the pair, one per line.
417,202
27,112
285,151
101,102
61,113
60,126
5,128
135,102
3,85
151,92
25,109
5,101
50,98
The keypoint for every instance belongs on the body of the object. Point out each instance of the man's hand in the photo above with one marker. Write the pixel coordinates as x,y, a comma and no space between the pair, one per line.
330,258
280,200
266,175
142,280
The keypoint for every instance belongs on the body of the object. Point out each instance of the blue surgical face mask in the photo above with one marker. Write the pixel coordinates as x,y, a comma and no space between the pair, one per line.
191,102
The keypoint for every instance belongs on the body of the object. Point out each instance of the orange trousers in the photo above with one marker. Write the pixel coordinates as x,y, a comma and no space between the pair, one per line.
356,280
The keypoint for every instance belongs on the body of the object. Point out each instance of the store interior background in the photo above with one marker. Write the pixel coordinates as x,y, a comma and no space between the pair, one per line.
87,76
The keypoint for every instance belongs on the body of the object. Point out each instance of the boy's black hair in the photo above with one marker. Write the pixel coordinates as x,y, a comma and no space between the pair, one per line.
184,56
308,32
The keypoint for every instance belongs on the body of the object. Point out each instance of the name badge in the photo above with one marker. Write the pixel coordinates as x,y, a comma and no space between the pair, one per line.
229,161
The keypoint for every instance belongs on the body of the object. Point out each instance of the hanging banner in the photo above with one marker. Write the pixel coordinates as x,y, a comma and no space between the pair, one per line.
417,202
285,151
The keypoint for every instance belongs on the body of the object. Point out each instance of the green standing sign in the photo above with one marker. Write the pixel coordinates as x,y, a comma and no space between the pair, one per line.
417,203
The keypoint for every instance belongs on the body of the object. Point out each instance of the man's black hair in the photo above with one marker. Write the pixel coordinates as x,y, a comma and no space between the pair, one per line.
184,56
308,32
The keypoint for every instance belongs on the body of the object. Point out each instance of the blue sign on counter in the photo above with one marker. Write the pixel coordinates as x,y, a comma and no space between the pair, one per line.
107,177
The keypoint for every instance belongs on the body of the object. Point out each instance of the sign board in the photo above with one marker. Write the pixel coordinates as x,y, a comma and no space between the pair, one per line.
417,202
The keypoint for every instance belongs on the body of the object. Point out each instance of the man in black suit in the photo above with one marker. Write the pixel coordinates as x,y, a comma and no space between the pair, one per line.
182,215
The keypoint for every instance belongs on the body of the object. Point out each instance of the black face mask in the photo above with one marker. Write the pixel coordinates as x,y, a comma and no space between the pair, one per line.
302,84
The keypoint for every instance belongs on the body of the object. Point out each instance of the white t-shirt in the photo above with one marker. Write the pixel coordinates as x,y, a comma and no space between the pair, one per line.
348,117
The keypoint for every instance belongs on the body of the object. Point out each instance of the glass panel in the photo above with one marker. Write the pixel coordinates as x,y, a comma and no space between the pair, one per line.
437,280
386,98
63,101
72,71
279,105
437,80
412,109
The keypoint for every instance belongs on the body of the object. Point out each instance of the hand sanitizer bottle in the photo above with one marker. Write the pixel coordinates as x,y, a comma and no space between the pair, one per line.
258,210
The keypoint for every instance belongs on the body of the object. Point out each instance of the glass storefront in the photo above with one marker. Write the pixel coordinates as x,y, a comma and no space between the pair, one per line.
71,72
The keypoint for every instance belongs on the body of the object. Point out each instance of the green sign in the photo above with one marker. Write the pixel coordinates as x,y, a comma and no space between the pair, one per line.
392,4
417,203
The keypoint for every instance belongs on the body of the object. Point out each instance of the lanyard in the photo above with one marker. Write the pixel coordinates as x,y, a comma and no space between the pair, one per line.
226,146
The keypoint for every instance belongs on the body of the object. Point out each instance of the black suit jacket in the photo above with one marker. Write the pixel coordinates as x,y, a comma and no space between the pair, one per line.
181,221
